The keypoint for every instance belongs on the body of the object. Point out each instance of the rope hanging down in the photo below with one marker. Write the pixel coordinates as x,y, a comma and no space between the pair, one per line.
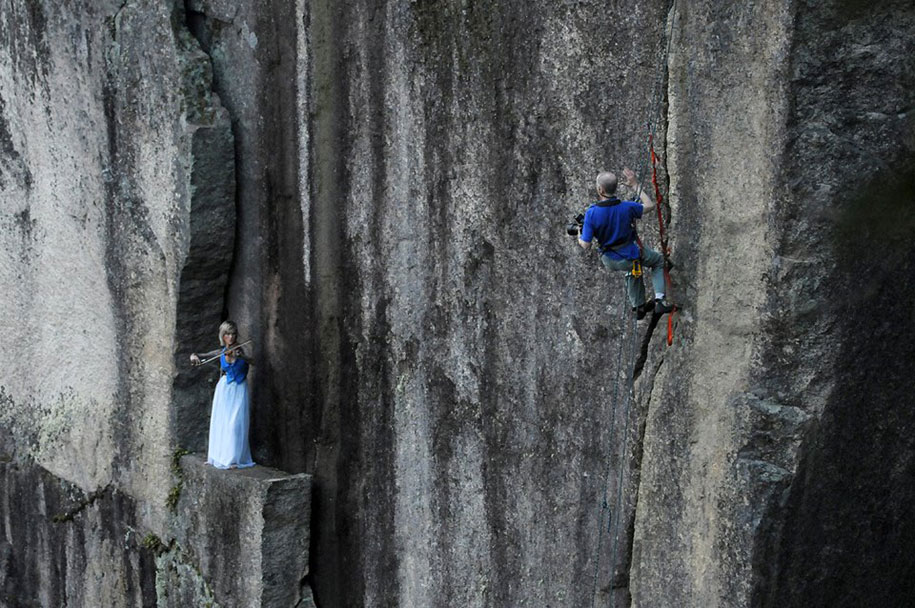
662,225
605,506
614,525
620,477
665,248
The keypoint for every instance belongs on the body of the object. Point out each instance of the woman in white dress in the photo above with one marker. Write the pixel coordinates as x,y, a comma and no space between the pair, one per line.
228,445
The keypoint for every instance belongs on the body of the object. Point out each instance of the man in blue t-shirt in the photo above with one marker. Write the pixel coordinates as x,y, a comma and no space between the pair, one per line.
612,222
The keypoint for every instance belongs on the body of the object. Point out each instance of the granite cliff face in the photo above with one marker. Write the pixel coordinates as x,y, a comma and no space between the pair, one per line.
102,143
118,226
376,192
776,468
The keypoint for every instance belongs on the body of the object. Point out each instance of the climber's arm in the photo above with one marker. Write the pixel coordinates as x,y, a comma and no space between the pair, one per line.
586,235
644,198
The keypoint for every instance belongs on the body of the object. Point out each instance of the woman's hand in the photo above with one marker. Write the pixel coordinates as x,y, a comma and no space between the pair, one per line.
195,360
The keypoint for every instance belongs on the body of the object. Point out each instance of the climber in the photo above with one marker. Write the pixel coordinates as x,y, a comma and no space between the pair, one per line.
612,222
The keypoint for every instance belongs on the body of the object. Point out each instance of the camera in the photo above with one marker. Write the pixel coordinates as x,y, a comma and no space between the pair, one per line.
573,228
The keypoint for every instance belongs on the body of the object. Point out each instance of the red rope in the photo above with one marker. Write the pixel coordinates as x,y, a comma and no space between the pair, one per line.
657,193
665,250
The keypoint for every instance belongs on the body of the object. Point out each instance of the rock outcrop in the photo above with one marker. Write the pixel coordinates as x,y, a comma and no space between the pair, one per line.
776,469
377,192
118,218
245,531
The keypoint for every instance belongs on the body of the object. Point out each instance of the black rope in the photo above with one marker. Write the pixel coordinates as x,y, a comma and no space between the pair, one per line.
630,381
614,540
606,479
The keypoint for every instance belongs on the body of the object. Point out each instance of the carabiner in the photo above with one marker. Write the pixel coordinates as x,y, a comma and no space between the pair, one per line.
636,268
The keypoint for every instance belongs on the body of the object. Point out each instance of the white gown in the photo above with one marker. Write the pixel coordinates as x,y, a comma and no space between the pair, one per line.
228,445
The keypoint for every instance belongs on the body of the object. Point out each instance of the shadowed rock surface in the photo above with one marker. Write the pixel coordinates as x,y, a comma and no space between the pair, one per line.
247,532
376,193
60,542
774,473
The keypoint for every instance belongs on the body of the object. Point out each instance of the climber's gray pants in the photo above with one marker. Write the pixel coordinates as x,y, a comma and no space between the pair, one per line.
635,288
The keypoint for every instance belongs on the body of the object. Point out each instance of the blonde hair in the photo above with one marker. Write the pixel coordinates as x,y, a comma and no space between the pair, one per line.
227,327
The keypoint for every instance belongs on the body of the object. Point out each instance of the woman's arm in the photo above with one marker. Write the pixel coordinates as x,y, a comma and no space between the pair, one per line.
196,357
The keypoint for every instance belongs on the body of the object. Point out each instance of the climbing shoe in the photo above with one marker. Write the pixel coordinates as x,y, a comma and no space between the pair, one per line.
662,307
643,309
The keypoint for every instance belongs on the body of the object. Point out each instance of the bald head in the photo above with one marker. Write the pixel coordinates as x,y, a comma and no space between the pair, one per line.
606,183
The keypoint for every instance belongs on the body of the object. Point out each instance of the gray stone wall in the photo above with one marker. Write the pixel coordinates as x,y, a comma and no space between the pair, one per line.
98,133
377,193
465,345
117,182
703,484
841,319
774,465
62,546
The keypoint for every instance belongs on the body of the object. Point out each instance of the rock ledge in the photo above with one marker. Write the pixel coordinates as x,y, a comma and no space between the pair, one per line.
247,530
